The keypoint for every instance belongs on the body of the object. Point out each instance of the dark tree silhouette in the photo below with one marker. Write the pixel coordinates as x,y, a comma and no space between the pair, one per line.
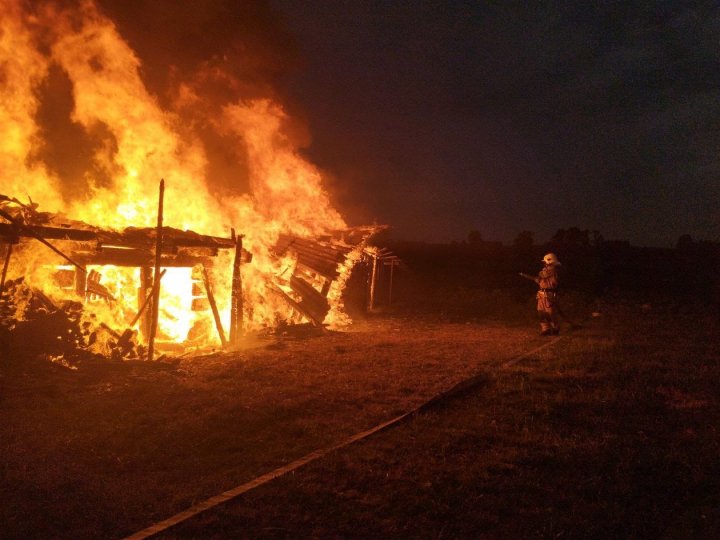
685,242
474,237
524,241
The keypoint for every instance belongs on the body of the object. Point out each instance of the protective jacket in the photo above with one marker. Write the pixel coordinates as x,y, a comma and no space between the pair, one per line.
547,299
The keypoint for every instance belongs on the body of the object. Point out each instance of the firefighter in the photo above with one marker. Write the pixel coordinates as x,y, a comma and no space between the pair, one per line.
547,295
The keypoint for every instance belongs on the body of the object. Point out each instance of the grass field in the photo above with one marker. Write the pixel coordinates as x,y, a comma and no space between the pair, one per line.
610,432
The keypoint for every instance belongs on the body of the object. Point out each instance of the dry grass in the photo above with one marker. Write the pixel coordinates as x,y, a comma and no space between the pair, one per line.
612,432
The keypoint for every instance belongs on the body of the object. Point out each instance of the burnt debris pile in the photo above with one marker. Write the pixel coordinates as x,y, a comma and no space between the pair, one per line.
33,326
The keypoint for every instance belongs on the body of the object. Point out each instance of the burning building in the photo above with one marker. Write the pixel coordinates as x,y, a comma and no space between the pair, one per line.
69,81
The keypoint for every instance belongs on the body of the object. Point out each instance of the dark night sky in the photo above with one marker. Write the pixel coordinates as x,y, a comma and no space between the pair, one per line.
442,117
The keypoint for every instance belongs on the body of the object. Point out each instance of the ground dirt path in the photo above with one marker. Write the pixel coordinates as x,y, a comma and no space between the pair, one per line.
611,432
108,449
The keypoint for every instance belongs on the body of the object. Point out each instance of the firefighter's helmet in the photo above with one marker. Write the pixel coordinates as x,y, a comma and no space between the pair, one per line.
550,259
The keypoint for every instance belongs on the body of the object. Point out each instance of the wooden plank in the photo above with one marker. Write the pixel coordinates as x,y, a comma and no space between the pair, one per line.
325,270
302,245
305,289
8,230
303,310
8,254
135,257
81,284
172,238
130,238
312,301
329,266
322,252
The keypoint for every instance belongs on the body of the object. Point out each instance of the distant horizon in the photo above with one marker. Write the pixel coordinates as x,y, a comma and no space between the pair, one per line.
538,243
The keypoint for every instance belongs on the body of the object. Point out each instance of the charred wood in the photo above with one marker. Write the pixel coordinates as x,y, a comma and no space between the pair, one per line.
236,294
156,274
129,238
312,301
6,263
10,232
32,327
136,257
213,305
299,307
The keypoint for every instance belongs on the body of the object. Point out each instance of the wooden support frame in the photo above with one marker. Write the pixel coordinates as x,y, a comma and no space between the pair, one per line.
236,295
373,282
17,227
134,247
156,274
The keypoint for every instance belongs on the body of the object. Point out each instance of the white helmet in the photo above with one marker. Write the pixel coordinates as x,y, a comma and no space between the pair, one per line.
550,259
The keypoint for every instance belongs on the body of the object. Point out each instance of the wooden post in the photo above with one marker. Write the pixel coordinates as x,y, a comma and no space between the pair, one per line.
81,284
5,266
392,267
392,262
156,274
373,282
236,306
213,306
145,290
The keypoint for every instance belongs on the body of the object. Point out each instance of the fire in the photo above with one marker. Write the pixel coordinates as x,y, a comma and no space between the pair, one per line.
136,142
23,68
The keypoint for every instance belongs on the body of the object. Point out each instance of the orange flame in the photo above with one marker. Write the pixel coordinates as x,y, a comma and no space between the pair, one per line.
140,143
23,68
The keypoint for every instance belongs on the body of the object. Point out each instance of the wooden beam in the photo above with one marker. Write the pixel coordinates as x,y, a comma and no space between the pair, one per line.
136,257
21,229
5,266
213,306
156,275
172,239
81,284
8,230
130,238
311,298
298,307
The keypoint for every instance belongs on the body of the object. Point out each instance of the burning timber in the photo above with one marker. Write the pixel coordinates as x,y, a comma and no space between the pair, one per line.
310,286
32,325
319,263
84,246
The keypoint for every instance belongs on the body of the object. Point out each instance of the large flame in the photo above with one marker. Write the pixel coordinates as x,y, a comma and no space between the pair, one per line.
136,143
23,68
